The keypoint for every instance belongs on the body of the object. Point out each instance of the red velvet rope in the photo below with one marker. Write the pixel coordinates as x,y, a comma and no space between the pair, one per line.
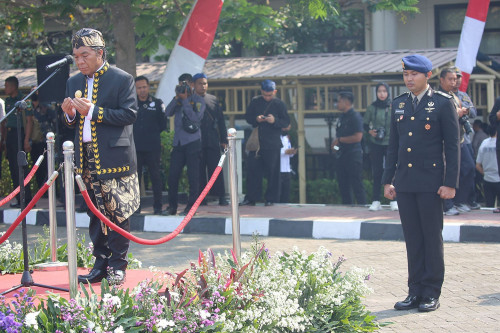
158,241
26,210
26,182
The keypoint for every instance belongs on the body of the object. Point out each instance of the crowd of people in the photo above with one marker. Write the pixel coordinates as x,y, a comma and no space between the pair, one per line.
422,148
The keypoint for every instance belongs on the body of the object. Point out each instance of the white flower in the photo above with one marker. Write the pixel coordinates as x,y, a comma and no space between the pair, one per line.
30,319
163,323
90,324
119,329
204,314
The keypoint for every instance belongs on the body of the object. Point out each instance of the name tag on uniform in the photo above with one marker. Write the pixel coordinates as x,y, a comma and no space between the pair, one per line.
399,111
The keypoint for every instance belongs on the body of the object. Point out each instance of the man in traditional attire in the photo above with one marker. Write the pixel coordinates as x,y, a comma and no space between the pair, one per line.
101,101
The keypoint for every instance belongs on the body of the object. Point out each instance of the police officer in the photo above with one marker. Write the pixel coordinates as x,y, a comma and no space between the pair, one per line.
150,123
347,147
187,142
9,134
213,138
421,169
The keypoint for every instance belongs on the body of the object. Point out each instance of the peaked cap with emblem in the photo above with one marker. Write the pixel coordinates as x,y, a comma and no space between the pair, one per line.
87,37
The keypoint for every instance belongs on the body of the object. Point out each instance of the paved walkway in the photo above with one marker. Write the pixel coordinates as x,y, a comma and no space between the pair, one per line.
471,293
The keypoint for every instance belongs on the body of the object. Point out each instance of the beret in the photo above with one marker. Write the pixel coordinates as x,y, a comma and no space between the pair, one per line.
199,76
417,62
268,85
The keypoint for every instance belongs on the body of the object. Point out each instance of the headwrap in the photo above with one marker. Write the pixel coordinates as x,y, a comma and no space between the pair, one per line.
382,103
199,76
87,37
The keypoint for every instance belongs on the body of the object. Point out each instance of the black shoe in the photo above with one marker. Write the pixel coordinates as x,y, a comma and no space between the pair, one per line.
117,278
95,275
223,202
169,211
475,206
428,304
269,203
247,202
157,212
186,211
15,205
410,302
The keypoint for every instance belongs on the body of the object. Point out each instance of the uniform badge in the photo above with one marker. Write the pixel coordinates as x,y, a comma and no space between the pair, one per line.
152,104
198,106
430,107
401,117
427,126
401,105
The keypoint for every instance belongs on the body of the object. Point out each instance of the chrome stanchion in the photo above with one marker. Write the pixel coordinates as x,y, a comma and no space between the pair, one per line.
54,264
233,180
52,197
69,186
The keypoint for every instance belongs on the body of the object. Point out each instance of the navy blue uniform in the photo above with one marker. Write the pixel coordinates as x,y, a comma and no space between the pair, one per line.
151,121
423,155
350,159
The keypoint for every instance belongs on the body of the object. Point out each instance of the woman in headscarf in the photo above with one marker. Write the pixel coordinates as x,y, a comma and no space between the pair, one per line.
377,123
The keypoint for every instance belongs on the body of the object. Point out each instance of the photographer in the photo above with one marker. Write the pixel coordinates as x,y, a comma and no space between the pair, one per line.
448,82
188,109
376,123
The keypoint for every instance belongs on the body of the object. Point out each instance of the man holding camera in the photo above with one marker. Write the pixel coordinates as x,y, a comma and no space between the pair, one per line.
188,109
448,82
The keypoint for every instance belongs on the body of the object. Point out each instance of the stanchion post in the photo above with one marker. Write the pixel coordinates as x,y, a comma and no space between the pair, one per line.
68,151
52,197
233,179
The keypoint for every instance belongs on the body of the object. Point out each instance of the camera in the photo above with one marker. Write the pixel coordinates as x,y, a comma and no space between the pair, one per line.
182,88
464,121
380,133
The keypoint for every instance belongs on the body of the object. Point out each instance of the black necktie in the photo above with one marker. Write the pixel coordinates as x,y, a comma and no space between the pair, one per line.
415,103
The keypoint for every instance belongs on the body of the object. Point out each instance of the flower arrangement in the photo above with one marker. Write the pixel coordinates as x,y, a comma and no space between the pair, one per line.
11,254
286,292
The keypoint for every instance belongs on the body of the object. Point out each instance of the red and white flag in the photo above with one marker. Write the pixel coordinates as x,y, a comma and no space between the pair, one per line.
470,38
192,47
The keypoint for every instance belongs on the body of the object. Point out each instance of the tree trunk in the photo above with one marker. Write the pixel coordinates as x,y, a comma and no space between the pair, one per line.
123,31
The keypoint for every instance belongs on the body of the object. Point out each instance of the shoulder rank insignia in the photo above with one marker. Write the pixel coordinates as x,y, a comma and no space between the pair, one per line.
442,94
407,93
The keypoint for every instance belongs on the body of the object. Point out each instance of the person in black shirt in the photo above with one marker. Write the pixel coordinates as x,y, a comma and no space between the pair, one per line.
150,123
213,138
269,114
348,150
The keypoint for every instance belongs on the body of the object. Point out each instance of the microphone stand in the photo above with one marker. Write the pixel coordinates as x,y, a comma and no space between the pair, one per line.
20,106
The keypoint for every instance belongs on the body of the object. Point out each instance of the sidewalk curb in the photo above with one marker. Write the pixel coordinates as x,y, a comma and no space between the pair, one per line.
316,229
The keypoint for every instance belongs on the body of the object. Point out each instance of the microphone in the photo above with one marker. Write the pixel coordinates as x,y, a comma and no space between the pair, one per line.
59,63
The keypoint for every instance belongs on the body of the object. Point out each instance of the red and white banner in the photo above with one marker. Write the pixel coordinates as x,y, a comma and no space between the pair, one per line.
470,38
192,47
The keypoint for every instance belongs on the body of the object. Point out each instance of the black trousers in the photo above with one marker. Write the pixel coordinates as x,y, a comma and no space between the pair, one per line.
11,152
189,156
422,220
285,186
41,175
265,164
208,162
491,193
109,250
377,156
349,176
152,161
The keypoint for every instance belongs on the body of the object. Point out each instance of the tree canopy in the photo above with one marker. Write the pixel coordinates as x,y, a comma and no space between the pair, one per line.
246,27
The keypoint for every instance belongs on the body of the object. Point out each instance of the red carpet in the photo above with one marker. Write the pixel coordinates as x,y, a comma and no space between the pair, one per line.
61,279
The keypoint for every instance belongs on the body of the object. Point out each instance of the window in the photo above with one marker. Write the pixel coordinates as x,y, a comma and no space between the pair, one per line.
449,22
